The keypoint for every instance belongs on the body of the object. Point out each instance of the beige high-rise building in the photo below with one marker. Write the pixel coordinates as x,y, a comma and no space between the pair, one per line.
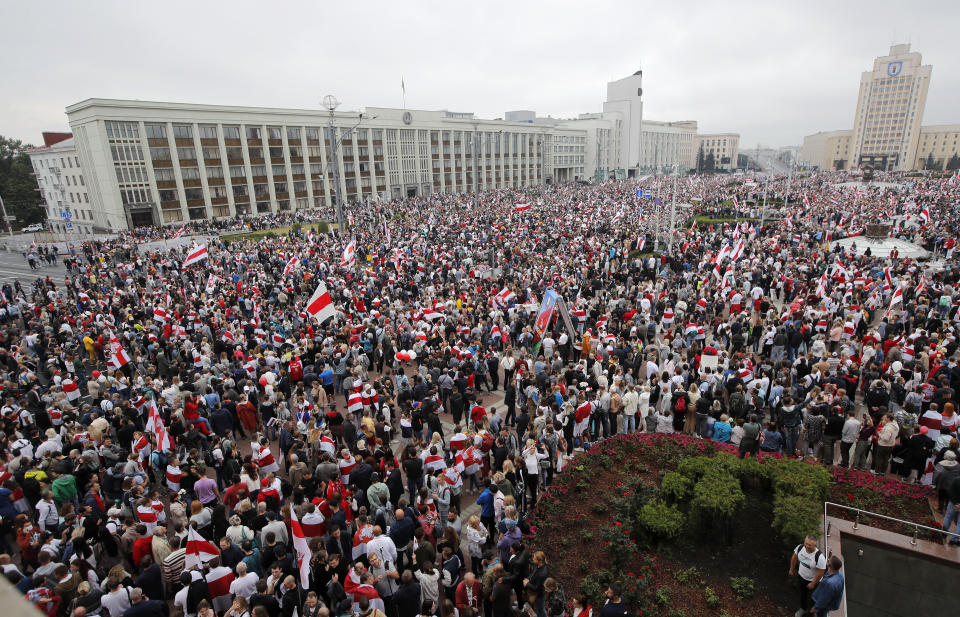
890,104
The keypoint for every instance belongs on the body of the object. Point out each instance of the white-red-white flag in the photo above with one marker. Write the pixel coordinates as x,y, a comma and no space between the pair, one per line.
180,231
198,550
521,207
118,355
349,257
320,306
197,254
293,263
301,549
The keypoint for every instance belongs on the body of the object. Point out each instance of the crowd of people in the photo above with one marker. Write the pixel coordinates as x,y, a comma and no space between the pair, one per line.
181,431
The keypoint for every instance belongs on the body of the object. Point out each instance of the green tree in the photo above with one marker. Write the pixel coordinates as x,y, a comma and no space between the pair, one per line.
700,159
929,164
954,163
17,184
709,163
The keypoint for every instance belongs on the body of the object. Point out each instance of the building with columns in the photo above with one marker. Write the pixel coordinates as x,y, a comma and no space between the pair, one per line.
161,163
664,144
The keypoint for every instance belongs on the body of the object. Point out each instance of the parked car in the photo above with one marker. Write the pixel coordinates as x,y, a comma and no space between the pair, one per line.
33,228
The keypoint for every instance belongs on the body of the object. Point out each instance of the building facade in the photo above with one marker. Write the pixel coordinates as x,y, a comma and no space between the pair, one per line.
161,163
890,103
938,147
826,150
625,100
664,144
61,184
725,148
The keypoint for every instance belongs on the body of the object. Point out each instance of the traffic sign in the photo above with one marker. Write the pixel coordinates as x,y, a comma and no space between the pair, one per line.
69,225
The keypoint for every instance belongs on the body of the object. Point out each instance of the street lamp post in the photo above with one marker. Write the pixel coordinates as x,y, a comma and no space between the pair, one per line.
330,102
5,219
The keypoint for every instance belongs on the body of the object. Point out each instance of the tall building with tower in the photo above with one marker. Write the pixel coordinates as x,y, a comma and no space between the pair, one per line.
888,131
886,127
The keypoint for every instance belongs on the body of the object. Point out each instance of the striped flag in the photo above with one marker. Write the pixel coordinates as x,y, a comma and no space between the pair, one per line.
198,550
197,254
302,550
521,207
293,263
180,231
349,257
320,306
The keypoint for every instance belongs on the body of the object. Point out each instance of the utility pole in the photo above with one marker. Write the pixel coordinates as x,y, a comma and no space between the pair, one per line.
331,103
673,211
5,219
786,197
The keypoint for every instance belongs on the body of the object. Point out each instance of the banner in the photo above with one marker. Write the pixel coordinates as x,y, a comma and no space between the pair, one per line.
550,298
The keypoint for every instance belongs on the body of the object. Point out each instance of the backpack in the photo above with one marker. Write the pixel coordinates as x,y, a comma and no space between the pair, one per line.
681,405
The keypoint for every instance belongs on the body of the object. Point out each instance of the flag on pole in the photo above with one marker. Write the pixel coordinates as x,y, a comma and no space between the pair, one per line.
349,257
197,253
293,263
320,306
198,550
925,215
302,550
521,207
640,242
118,355
504,297
180,231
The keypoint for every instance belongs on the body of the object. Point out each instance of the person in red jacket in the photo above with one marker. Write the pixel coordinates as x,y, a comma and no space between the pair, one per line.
191,413
468,593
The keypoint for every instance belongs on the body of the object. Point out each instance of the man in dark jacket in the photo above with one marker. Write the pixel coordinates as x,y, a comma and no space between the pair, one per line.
407,596
143,606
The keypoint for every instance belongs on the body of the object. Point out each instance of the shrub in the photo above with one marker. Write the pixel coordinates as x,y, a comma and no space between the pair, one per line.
620,547
793,477
743,586
685,577
716,498
662,597
713,600
660,520
295,228
599,507
796,517
675,487
586,535
677,612
695,468
323,227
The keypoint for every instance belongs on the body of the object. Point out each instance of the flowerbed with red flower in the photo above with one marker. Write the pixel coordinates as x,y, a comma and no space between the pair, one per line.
605,518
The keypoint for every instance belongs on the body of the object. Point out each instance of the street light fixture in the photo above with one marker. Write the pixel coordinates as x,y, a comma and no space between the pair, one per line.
330,103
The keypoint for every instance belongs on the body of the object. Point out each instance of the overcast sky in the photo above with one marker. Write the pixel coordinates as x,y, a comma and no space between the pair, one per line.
771,71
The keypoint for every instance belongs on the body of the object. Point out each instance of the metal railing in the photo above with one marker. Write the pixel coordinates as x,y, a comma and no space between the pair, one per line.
856,524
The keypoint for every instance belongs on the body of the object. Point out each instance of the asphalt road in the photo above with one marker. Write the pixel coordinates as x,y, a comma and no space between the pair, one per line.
13,266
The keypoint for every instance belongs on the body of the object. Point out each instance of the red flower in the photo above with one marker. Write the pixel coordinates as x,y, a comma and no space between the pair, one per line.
617,523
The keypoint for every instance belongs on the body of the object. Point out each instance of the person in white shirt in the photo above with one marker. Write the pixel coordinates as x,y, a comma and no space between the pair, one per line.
631,402
117,601
245,584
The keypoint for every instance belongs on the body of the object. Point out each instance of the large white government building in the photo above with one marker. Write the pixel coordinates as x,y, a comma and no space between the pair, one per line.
158,163
887,131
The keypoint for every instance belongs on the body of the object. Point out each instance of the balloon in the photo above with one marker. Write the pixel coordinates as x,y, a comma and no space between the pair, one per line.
95,374
271,377
412,354
263,381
